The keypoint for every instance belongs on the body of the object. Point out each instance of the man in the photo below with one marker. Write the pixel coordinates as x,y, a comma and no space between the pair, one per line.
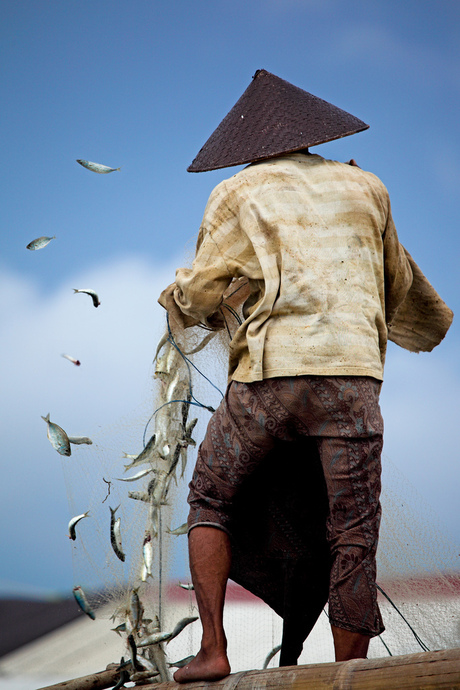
326,282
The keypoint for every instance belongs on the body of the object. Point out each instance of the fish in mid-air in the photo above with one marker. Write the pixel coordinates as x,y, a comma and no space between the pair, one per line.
96,167
80,440
73,524
57,437
89,292
83,602
72,359
40,242
115,534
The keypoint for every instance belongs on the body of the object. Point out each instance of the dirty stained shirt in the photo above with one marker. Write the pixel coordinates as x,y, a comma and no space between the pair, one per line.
317,242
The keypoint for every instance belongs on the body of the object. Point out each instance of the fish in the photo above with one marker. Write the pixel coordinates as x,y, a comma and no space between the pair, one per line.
154,638
40,242
182,529
182,662
72,359
270,655
89,292
136,610
139,475
115,535
147,552
188,586
133,651
57,437
139,496
145,454
96,167
80,440
82,601
73,524
120,628
181,625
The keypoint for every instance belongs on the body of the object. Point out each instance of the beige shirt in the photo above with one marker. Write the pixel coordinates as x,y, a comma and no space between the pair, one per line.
326,271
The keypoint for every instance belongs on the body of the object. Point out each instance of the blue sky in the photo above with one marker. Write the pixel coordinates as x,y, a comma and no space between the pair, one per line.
142,85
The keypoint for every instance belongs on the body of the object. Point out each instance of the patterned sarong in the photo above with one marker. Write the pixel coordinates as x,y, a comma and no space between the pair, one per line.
342,416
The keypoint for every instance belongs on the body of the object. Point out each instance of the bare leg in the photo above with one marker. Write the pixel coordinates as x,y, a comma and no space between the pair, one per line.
210,558
349,645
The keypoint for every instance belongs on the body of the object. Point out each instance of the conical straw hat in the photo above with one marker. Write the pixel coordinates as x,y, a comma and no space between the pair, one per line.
273,117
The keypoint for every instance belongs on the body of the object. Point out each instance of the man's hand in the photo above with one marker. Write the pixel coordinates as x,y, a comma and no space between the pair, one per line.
177,319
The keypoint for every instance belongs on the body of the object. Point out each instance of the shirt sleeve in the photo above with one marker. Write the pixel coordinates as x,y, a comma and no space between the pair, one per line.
199,290
397,269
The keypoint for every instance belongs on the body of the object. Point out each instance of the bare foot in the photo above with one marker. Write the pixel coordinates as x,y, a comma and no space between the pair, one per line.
203,667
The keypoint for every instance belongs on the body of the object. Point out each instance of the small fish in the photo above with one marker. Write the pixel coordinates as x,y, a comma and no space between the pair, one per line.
182,529
155,638
115,535
82,601
120,628
79,440
182,662
40,242
57,437
136,610
133,651
147,552
89,292
188,586
270,655
72,359
181,625
139,475
96,167
73,524
139,496
144,455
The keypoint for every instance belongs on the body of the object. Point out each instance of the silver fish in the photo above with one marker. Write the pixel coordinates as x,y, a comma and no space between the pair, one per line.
96,167
73,524
145,454
270,655
72,359
139,475
57,437
40,242
188,586
181,625
136,610
80,440
89,292
155,638
115,536
82,601
182,662
182,529
147,552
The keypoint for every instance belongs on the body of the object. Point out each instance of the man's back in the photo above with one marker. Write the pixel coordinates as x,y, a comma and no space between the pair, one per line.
308,233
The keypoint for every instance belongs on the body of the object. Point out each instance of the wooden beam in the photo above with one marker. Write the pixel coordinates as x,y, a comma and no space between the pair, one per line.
425,671
95,681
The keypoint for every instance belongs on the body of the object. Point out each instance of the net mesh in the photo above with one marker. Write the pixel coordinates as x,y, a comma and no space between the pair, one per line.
420,587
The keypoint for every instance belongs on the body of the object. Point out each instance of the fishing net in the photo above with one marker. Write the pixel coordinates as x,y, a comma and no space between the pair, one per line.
135,516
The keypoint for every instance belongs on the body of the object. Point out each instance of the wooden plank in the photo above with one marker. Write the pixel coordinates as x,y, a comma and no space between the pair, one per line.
96,681
425,671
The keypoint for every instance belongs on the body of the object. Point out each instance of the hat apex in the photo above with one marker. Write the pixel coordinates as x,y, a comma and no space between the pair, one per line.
273,117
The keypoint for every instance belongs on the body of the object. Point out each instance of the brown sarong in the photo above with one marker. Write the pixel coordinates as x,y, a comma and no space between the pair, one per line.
341,415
